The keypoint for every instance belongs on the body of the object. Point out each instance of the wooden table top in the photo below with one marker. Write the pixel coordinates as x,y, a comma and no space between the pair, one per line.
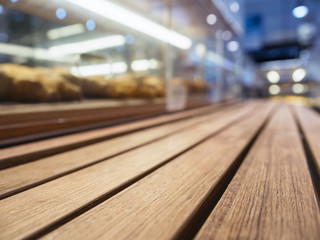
241,171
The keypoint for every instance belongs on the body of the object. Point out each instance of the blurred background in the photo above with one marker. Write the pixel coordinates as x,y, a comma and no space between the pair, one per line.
180,53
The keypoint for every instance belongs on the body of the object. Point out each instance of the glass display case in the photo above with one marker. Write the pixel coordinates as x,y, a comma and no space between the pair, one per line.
181,53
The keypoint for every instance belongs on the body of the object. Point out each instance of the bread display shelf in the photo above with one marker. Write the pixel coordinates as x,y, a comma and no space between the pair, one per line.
20,83
121,98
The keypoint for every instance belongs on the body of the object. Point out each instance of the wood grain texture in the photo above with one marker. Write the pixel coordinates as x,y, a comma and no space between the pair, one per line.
27,152
29,211
23,176
271,196
157,206
16,130
310,124
41,111
28,113
20,127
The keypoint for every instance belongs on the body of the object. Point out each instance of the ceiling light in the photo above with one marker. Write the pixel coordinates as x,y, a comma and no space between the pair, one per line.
132,20
234,7
144,65
65,31
87,46
274,89
29,52
100,69
233,46
300,11
200,49
298,88
90,25
299,74
140,65
273,76
211,19
61,13
130,39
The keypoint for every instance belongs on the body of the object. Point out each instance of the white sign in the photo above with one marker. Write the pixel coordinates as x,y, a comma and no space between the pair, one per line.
176,98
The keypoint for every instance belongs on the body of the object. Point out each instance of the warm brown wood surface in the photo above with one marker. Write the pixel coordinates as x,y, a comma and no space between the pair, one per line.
22,153
22,113
271,196
9,109
159,204
160,178
24,176
310,124
23,123
30,130
27,212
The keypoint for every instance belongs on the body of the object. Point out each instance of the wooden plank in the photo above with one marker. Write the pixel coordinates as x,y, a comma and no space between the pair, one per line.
21,132
32,210
22,113
157,206
20,127
310,124
271,196
12,156
19,178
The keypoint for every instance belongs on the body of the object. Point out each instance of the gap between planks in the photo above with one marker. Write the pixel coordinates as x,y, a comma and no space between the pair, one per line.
47,204
271,196
308,122
16,155
157,205
23,177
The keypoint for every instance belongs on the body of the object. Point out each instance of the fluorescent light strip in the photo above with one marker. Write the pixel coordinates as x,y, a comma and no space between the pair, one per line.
140,65
67,31
29,52
125,17
88,46
16,50
100,69
145,64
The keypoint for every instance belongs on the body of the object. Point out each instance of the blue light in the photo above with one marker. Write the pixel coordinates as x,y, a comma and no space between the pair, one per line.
91,25
300,11
14,1
129,39
61,13
1,9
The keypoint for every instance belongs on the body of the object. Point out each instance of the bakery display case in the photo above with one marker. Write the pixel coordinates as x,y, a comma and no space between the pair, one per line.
70,50
68,59
58,51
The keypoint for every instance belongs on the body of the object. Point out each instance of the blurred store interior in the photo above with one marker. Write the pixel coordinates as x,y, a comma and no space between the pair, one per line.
159,119
181,52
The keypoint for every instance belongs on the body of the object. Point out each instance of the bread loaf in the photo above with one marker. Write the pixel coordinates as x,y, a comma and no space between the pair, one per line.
21,83
123,86
35,85
152,87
